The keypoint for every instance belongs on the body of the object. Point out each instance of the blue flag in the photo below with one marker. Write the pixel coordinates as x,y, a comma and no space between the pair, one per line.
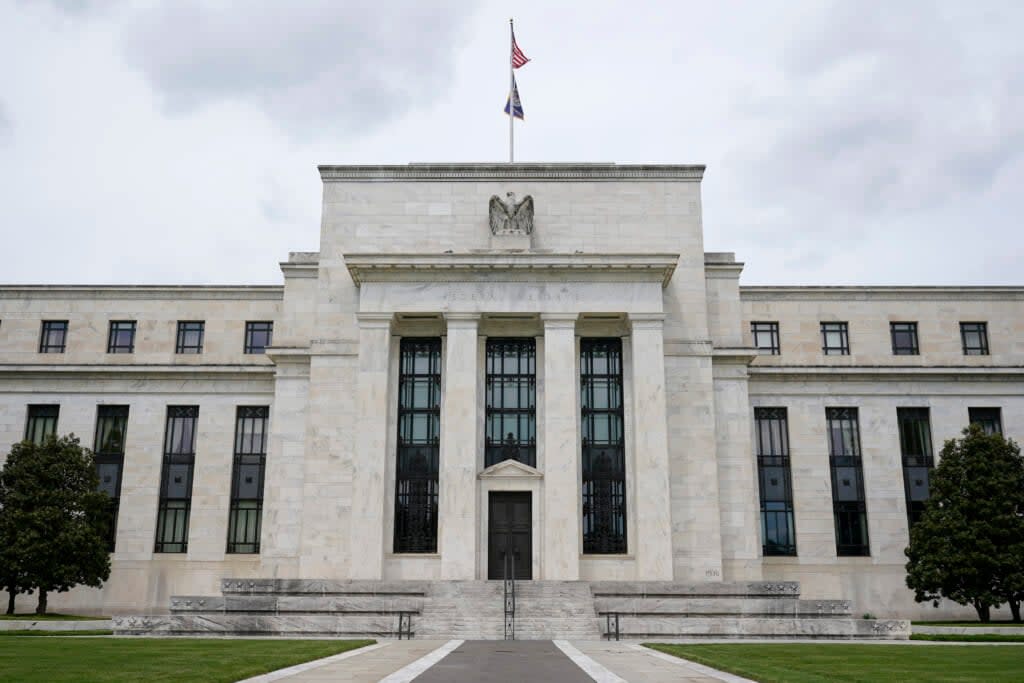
513,100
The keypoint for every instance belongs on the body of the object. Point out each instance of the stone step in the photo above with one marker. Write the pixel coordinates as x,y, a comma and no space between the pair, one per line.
322,587
279,604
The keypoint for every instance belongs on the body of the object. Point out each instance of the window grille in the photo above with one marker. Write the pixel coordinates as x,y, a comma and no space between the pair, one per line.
990,419
511,396
258,336
54,336
247,479
848,500
122,336
190,337
176,479
41,422
835,339
916,450
603,446
419,435
766,337
778,531
108,448
904,339
974,337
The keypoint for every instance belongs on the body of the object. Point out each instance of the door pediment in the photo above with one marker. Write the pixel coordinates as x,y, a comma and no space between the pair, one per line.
510,469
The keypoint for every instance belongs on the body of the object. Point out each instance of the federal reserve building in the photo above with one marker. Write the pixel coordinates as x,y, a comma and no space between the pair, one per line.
526,377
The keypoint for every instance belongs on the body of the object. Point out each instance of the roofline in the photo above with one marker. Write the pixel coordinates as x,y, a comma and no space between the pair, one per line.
251,292
560,172
768,292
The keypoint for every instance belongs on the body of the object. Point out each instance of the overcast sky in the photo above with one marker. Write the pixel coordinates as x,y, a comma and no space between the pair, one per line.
845,143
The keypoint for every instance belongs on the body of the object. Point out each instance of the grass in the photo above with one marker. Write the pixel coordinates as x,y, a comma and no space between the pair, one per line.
821,663
51,617
1017,624
970,638
154,660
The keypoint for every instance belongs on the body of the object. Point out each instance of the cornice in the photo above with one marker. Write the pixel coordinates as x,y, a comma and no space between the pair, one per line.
149,292
887,372
137,371
405,267
884,293
500,172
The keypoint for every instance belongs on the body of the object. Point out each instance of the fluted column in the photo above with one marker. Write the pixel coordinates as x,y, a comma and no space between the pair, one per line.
369,461
457,504
561,509
652,541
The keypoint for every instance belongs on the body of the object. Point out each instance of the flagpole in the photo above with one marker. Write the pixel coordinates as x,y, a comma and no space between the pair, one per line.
511,92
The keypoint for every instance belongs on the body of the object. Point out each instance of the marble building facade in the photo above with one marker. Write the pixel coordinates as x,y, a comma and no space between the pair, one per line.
578,385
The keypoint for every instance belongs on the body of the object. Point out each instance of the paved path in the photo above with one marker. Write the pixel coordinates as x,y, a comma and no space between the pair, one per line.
496,661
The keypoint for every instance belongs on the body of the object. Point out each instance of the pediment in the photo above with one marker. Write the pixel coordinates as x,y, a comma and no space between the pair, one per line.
510,469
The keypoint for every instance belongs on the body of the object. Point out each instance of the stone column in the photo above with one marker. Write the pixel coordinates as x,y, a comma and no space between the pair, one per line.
457,508
652,542
560,513
369,462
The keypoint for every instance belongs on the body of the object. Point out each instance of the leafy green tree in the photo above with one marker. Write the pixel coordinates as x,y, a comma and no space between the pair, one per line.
52,517
968,545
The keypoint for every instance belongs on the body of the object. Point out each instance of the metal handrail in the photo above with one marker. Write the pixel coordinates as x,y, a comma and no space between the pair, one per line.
611,625
509,562
405,625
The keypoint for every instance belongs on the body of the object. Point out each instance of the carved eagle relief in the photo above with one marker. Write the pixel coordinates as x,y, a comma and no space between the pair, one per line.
510,217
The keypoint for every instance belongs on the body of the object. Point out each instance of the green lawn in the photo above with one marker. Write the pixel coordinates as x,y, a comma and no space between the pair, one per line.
970,638
155,660
825,662
1018,624
30,632
52,617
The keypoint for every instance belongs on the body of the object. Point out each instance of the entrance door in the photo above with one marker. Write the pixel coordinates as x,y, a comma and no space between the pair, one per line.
510,534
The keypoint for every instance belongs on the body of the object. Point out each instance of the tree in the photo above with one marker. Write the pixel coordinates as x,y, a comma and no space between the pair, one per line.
52,518
968,545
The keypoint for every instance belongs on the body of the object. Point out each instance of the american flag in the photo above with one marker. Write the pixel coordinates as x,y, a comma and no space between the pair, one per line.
518,58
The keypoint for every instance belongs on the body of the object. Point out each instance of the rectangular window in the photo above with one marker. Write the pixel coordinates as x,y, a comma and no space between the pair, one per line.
176,479
990,419
511,411
916,448
190,336
122,336
419,440
974,337
604,447
108,448
904,339
246,510
835,339
778,531
54,336
258,336
766,337
848,501
41,423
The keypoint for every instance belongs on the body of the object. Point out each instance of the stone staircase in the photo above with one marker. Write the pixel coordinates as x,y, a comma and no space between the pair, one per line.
475,610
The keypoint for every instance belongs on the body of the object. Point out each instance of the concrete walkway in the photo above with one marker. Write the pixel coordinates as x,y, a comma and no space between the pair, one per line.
497,661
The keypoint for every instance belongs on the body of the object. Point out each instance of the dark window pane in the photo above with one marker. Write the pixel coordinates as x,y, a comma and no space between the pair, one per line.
419,435
247,479
990,419
190,336
835,339
510,393
604,462
176,479
916,450
122,336
53,336
778,532
766,337
848,499
974,337
904,338
41,422
258,336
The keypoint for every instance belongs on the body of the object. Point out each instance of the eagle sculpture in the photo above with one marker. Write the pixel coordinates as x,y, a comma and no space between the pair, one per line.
510,217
